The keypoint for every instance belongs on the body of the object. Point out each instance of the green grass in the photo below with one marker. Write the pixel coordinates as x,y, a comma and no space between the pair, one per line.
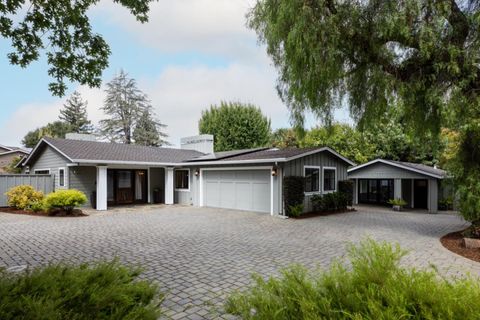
372,286
104,290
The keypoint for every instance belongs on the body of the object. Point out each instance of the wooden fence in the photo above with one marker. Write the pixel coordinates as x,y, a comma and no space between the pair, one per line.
41,182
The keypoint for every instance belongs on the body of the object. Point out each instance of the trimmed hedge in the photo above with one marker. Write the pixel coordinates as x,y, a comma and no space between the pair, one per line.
334,201
65,199
346,187
293,193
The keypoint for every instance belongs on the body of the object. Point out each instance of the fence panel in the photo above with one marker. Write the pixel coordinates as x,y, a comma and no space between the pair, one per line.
41,182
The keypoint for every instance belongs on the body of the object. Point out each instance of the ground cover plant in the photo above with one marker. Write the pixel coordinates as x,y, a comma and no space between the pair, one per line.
106,290
372,285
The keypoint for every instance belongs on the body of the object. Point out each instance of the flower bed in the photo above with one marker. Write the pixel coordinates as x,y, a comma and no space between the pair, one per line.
454,242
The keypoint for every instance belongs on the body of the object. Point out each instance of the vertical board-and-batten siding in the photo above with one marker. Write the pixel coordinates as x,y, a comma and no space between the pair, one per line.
42,183
52,160
83,179
322,159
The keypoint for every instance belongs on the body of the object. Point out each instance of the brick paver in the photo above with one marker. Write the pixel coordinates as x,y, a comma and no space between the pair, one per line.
199,255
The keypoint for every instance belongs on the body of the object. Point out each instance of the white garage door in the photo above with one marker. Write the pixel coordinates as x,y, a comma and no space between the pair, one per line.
237,189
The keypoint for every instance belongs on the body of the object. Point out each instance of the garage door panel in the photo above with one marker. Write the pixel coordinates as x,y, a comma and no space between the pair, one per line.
238,189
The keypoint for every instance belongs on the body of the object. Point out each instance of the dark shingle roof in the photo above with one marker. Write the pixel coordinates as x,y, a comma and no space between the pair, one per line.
105,151
422,167
416,167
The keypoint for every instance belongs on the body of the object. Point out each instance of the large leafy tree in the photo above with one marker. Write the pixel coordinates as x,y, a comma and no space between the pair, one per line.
61,30
74,113
235,126
57,129
421,54
124,105
285,138
148,132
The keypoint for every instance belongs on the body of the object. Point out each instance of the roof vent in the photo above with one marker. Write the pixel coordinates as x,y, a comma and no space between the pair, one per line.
80,136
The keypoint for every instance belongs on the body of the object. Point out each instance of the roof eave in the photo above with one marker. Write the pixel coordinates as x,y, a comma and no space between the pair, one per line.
395,165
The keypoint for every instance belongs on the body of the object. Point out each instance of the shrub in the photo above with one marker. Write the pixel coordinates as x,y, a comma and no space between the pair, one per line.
346,187
296,210
293,192
329,202
65,199
397,202
61,292
372,286
22,197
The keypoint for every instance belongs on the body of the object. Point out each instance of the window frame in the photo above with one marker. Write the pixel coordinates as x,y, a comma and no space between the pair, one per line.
64,177
323,179
35,171
319,178
175,180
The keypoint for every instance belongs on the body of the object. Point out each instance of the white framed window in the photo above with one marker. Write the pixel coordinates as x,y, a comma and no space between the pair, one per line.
312,179
61,177
329,179
182,180
41,171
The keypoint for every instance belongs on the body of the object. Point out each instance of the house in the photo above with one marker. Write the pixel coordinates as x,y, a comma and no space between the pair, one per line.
379,180
8,154
116,174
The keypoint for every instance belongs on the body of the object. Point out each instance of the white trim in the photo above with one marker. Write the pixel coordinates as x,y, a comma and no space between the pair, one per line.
398,165
51,145
64,177
270,168
323,179
13,151
140,163
319,178
5,147
322,150
42,169
175,180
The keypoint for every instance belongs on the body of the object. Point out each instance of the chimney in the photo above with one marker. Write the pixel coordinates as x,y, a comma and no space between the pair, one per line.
80,136
202,143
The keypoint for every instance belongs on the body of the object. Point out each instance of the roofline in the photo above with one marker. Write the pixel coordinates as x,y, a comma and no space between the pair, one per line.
5,147
51,145
144,163
398,165
350,162
13,151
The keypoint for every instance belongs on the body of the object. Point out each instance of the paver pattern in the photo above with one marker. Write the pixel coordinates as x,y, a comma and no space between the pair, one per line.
199,255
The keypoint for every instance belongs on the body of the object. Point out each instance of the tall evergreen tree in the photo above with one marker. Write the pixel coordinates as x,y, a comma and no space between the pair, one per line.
148,132
74,113
124,105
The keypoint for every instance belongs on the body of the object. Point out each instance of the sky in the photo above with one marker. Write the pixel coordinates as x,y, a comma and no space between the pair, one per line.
190,55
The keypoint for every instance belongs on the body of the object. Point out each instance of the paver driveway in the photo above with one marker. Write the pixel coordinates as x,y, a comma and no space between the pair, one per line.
198,255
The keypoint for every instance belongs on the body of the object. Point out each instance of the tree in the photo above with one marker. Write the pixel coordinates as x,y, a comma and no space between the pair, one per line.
62,30
74,113
124,105
420,54
57,129
285,138
147,131
235,126
11,167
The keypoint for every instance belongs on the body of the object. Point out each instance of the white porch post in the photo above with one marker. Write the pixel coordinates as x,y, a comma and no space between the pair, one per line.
169,185
432,196
102,188
397,189
355,191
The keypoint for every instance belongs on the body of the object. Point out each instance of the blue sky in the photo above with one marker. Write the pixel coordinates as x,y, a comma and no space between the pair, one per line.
192,54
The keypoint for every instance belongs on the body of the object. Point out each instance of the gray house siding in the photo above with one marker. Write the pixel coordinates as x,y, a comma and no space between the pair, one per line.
324,159
52,160
384,171
83,179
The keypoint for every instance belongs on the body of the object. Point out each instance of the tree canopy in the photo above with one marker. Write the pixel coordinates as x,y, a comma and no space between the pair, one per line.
147,131
74,113
235,126
56,129
60,29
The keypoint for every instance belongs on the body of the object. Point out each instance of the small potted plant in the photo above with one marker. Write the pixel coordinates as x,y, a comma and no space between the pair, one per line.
397,204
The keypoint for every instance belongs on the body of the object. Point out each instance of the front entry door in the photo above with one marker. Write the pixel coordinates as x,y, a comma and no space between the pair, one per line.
420,194
124,187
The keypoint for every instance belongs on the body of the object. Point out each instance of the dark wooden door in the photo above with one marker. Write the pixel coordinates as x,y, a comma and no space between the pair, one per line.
124,190
420,194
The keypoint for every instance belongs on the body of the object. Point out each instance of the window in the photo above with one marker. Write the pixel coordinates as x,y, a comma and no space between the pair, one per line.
329,179
61,177
181,179
41,171
312,179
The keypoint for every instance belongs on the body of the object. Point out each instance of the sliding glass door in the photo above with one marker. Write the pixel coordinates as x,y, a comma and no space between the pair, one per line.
375,191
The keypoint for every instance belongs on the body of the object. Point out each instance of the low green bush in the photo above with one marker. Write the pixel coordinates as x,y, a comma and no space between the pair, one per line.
293,192
372,285
61,292
346,187
333,201
397,202
296,210
22,197
65,199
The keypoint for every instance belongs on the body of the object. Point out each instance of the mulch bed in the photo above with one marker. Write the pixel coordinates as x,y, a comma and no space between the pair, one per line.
322,213
55,213
454,242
